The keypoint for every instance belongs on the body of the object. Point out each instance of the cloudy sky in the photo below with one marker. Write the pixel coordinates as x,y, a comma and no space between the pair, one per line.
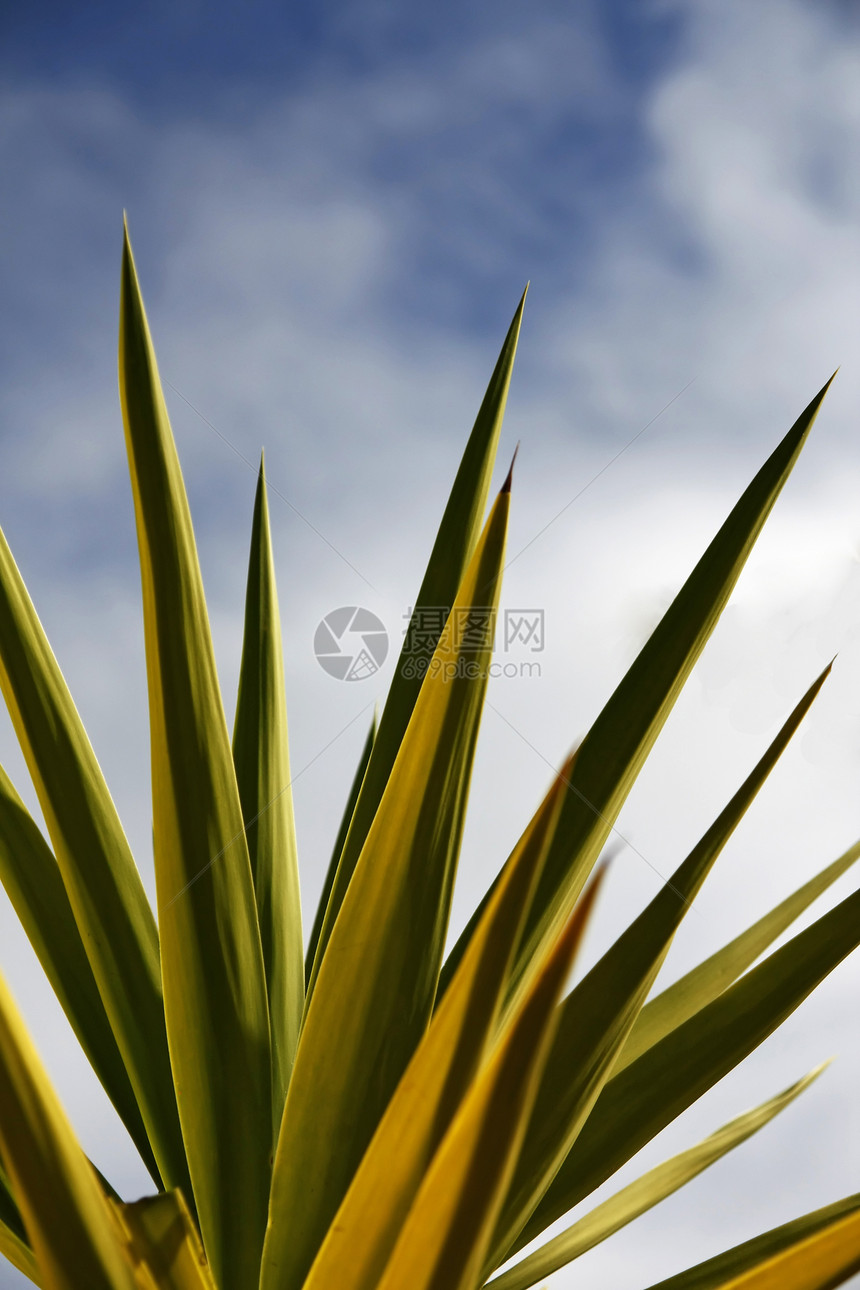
334,209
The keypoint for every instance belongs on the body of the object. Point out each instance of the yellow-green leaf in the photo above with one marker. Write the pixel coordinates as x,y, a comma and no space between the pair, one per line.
645,1193
163,1244
714,1273
104,889
377,980
34,885
443,1242
214,979
452,552
66,1214
691,992
363,1233
13,1236
818,1262
649,1093
262,760
621,738
349,811
597,1015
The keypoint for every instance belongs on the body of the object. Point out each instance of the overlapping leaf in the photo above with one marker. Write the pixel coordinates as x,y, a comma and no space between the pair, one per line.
452,552
646,1096
262,760
693,991
348,813
364,1230
34,885
618,743
599,1013
214,978
163,1245
377,980
646,1192
104,889
66,1214
443,1242
718,1272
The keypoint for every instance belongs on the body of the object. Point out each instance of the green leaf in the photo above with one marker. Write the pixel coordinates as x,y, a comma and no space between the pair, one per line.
818,1262
645,1193
103,886
348,813
262,761
214,978
717,1272
13,1235
378,978
688,995
443,1242
66,1214
365,1228
452,552
621,738
163,1243
598,1014
636,1104
31,877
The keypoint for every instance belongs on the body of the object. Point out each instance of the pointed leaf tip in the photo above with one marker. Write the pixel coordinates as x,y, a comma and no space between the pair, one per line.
506,486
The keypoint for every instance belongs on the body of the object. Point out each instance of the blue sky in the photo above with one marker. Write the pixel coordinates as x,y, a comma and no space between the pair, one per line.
334,210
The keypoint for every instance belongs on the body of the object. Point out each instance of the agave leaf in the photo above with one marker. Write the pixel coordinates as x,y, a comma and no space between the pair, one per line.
598,1014
688,995
214,978
66,1214
452,552
624,733
388,939
645,1193
715,1273
444,1239
348,813
13,1235
262,761
648,1094
104,889
365,1228
163,1243
32,880
818,1262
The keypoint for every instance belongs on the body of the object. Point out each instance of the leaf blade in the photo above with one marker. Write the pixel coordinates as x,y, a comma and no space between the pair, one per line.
646,1192
387,941
452,552
214,980
262,761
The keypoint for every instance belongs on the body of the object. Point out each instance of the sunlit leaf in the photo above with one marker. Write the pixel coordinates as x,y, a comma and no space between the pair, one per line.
212,961
452,552
365,1228
34,885
444,1239
643,1194
378,978
262,761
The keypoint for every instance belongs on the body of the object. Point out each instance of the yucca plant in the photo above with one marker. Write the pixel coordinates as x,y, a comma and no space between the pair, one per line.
363,1113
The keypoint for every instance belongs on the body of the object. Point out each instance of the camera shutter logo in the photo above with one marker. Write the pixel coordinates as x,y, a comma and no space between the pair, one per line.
351,643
